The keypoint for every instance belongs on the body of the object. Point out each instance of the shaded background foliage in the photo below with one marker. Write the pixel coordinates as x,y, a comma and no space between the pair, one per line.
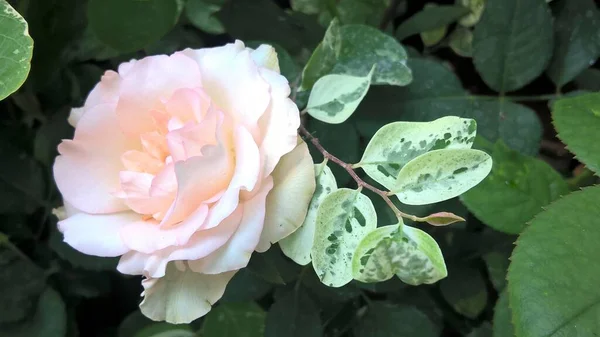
48,289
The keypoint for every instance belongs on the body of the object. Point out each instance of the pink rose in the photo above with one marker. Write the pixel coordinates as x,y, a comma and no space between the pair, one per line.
184,165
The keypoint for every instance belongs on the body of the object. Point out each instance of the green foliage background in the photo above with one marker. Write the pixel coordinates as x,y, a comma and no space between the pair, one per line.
510,70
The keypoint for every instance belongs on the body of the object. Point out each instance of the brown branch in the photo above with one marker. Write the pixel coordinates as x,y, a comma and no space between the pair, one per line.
361,183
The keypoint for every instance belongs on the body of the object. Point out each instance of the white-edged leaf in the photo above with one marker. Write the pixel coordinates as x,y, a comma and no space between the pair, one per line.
16,47
344,218
323,57
396,144
297,246
440,175
335,97
408,252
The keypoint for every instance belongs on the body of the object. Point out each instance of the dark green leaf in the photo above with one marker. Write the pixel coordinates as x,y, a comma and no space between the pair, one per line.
577,40
577,121
49,319
133,323
484,330
129,25
22,283
293,315
515,191
49,135
78,259
497,265
503,326
245,286
389,320
553,279
244,319
465,290
201,14
273,267
164,329
512,43
430,18
589,80
362,11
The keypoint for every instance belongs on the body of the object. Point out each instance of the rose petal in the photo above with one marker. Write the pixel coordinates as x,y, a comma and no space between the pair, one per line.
182,295
189,141
87,171
293,176
265,56
236,253
148,83
97,234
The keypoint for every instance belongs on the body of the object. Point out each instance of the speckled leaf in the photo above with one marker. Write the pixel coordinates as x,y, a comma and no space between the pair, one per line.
440,175
364,46
461,42
512,43
298,245
517,189
577,40
577,120
396,144
335,97
553,277
476,7
16,48
431,17
424,262
244,319
323,58
397,249
344,218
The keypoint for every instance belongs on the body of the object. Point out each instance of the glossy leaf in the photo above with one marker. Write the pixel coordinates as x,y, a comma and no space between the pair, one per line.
562,298
577,40
396,144
517,189
512,43
298,245
245,319
431,17
334,98
16,47
440,175
130,25
577,120
344,218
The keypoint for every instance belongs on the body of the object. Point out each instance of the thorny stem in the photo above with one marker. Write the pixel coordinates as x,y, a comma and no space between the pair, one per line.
361,183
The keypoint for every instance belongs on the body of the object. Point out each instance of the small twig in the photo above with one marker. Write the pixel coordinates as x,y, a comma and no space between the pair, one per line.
361,183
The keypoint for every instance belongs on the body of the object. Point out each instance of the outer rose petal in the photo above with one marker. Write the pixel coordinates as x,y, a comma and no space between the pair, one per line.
287,203
182,296
106,91
97,234
265,56
87,171
236,253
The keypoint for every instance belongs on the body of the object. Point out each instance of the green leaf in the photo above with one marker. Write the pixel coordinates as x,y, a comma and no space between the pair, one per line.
49,135
562,298
461,42
245,286
130,25
517,189
334,98
287,64
16,50
430,18
343,220
368,12
396,144
363,47
298,245
589,80
577,121
78,259
272,267
201,15
440,175
308,6
484,330
497,263
436,92
577,40
503,326
465,290
390,320
49,319
244,319
476,7
323,57
133,323
166,330
22,181
396,249
293,315
22,283
513,43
